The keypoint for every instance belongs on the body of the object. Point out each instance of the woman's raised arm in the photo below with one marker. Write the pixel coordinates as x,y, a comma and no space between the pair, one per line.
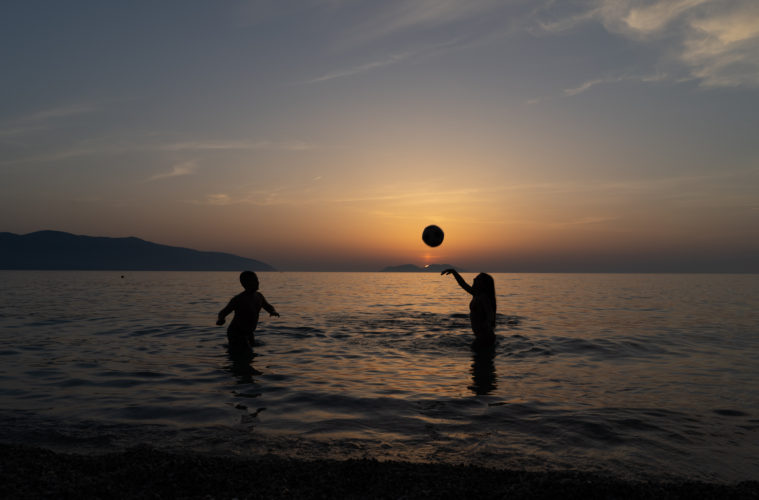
463,284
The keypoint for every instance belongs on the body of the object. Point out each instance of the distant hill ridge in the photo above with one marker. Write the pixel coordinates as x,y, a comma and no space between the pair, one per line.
57,250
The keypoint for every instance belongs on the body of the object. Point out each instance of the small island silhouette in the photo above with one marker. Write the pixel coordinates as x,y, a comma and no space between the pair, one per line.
429,268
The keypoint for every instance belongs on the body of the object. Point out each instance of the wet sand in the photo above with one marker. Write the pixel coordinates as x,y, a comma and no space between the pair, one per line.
28,472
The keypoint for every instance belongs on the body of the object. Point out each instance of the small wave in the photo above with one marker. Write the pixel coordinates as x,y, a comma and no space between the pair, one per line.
608,348
300,332
731,413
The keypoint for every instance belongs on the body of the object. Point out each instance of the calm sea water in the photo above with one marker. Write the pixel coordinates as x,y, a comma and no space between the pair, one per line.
627,374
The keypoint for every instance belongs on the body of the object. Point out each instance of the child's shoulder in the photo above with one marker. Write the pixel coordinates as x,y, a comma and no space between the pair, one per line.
243,295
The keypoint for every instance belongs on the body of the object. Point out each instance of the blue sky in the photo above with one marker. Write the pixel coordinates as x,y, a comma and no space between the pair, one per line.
541,135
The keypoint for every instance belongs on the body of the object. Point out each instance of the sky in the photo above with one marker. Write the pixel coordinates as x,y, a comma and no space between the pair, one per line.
540,135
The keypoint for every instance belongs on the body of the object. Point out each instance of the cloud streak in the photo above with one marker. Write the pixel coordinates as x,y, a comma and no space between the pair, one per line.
236,145
389,60
59,112
414,15
105,148
42,120
610,80
178,170
723,50
713,42
412,21
363,68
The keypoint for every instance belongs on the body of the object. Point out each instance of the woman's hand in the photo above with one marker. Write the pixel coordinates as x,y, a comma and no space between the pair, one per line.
459,280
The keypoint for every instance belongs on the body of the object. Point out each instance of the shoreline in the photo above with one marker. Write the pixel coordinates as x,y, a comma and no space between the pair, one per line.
140,472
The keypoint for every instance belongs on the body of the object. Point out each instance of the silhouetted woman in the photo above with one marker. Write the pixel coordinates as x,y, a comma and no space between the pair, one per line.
481,308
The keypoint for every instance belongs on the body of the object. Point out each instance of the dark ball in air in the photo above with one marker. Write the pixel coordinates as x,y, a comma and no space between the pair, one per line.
432,235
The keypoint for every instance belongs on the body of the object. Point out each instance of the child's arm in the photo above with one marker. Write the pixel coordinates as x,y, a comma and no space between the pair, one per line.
269,308
223,313
463,284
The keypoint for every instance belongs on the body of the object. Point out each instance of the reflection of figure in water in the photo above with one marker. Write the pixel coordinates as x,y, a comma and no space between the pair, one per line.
246,307
481,308
483,370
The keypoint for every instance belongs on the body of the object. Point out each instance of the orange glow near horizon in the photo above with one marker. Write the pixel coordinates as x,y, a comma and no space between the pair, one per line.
484,230
347,210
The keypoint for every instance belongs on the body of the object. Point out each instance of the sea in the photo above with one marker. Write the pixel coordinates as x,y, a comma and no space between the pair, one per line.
631,375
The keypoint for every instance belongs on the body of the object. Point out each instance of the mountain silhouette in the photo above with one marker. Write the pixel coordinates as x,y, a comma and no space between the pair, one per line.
64,251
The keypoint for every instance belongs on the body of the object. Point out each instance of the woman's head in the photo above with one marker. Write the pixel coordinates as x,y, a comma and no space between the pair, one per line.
484,284
249,281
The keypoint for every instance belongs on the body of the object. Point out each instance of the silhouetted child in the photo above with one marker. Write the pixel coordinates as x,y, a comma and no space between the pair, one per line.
246,307
481,308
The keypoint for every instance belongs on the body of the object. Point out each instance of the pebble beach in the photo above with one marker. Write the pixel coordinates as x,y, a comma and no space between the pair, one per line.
143,472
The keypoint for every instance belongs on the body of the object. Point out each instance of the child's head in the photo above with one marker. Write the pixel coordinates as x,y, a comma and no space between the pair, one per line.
249,281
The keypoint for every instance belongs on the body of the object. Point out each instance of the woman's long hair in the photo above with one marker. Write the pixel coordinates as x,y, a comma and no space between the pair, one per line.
486,285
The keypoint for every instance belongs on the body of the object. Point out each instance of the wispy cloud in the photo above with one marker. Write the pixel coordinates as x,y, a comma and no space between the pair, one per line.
257,198
107,148
712,41
20,129
178,170
629,17
587,85
41,120
406,15
364,67
236,145
610,80
562,24
419,25
217,199
64,154
591,220
648,18
59,112
296,193
723,50
400,201
389,60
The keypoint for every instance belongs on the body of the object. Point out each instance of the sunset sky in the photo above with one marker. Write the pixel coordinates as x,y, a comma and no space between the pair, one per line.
541,135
